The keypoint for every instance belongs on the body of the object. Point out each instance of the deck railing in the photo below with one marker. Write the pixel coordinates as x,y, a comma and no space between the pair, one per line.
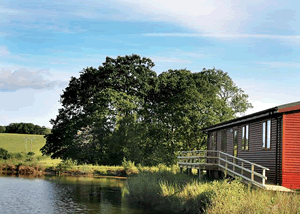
231,165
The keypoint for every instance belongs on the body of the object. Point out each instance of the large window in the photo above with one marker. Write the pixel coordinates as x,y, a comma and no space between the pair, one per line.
266,141
245,137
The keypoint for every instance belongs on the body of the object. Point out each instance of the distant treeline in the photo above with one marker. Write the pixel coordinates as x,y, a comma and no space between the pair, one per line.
24,128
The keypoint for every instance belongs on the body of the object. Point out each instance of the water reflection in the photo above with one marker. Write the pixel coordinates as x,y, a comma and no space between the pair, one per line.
63,195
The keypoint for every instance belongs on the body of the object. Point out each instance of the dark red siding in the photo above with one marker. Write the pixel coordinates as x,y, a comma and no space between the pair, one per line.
291,151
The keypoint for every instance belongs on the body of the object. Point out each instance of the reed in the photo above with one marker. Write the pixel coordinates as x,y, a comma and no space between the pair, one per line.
165,191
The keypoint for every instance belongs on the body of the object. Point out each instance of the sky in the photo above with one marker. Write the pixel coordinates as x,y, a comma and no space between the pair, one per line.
44,43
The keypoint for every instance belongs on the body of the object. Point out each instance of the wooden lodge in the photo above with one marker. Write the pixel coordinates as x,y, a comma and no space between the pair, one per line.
263,147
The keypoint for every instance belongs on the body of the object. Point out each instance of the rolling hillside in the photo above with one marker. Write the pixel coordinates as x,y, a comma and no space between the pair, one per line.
14,143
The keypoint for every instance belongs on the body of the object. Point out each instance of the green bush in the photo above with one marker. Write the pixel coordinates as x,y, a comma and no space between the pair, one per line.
19,155
2,129
4,154
30,153
129,167
66,165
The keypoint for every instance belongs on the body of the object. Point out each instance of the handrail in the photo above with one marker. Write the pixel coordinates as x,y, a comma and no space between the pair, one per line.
245,169
222,163
198,151
243,160
195,157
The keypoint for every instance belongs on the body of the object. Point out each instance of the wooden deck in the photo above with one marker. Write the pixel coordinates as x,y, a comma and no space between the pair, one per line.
278,188
248,171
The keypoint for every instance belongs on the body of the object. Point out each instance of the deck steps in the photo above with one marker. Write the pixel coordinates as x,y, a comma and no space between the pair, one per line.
277,188
216,160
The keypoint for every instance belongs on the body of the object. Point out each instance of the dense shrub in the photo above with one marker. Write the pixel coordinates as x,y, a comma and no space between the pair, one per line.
66,165
30,153
2,129
18,155
4,154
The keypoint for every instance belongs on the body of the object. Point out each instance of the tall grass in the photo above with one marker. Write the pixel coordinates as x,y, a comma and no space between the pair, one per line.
178,193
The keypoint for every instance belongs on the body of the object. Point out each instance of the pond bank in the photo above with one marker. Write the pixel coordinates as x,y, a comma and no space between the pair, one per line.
38,170
67,168
179,193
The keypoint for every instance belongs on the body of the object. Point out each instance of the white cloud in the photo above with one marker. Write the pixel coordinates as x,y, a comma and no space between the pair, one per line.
4,51
169,59
31,106
206,16
9,11
215,16
199,15
23,78
281,64
224,36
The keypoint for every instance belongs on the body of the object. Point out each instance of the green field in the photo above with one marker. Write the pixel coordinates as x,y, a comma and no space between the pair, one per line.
14,143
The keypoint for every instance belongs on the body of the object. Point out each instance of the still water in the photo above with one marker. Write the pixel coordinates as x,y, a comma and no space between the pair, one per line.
63,195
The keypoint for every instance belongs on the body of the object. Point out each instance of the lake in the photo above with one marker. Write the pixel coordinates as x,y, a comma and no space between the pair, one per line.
53,194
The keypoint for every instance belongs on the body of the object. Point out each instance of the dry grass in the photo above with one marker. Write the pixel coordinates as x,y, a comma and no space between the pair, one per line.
179,193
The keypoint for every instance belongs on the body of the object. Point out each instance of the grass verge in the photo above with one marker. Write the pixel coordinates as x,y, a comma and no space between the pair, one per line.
165,191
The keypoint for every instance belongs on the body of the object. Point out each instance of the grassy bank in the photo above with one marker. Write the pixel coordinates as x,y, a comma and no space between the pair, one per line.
15,145
178,193
22,163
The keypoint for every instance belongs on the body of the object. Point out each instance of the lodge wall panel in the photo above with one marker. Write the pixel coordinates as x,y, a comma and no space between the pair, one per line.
219,140
291,151
279,152
256,153
229,142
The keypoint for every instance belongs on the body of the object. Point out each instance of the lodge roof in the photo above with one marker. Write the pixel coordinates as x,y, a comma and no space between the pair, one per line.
268,112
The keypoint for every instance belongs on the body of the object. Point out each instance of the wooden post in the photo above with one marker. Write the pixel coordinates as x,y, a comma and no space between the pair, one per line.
264,180
226,166
199,173
233,161
219,156
180,169
242,170
252,170
215,155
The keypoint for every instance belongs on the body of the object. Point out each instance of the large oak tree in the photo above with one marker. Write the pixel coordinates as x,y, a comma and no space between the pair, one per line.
123,109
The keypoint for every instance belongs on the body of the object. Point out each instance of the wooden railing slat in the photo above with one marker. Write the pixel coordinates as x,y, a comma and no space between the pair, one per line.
190,160
244,169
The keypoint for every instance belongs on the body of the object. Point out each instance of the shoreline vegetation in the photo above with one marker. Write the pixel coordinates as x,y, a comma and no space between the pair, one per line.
28,164
15,159
164,189
171,192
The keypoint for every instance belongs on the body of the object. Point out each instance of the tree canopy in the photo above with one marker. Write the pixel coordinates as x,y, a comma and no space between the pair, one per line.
25,128
124,109
2,129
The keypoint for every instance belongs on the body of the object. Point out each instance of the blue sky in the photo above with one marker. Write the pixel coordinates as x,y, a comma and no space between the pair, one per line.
44,43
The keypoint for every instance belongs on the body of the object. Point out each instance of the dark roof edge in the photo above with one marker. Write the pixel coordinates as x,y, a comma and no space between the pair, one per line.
256,115
289,105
